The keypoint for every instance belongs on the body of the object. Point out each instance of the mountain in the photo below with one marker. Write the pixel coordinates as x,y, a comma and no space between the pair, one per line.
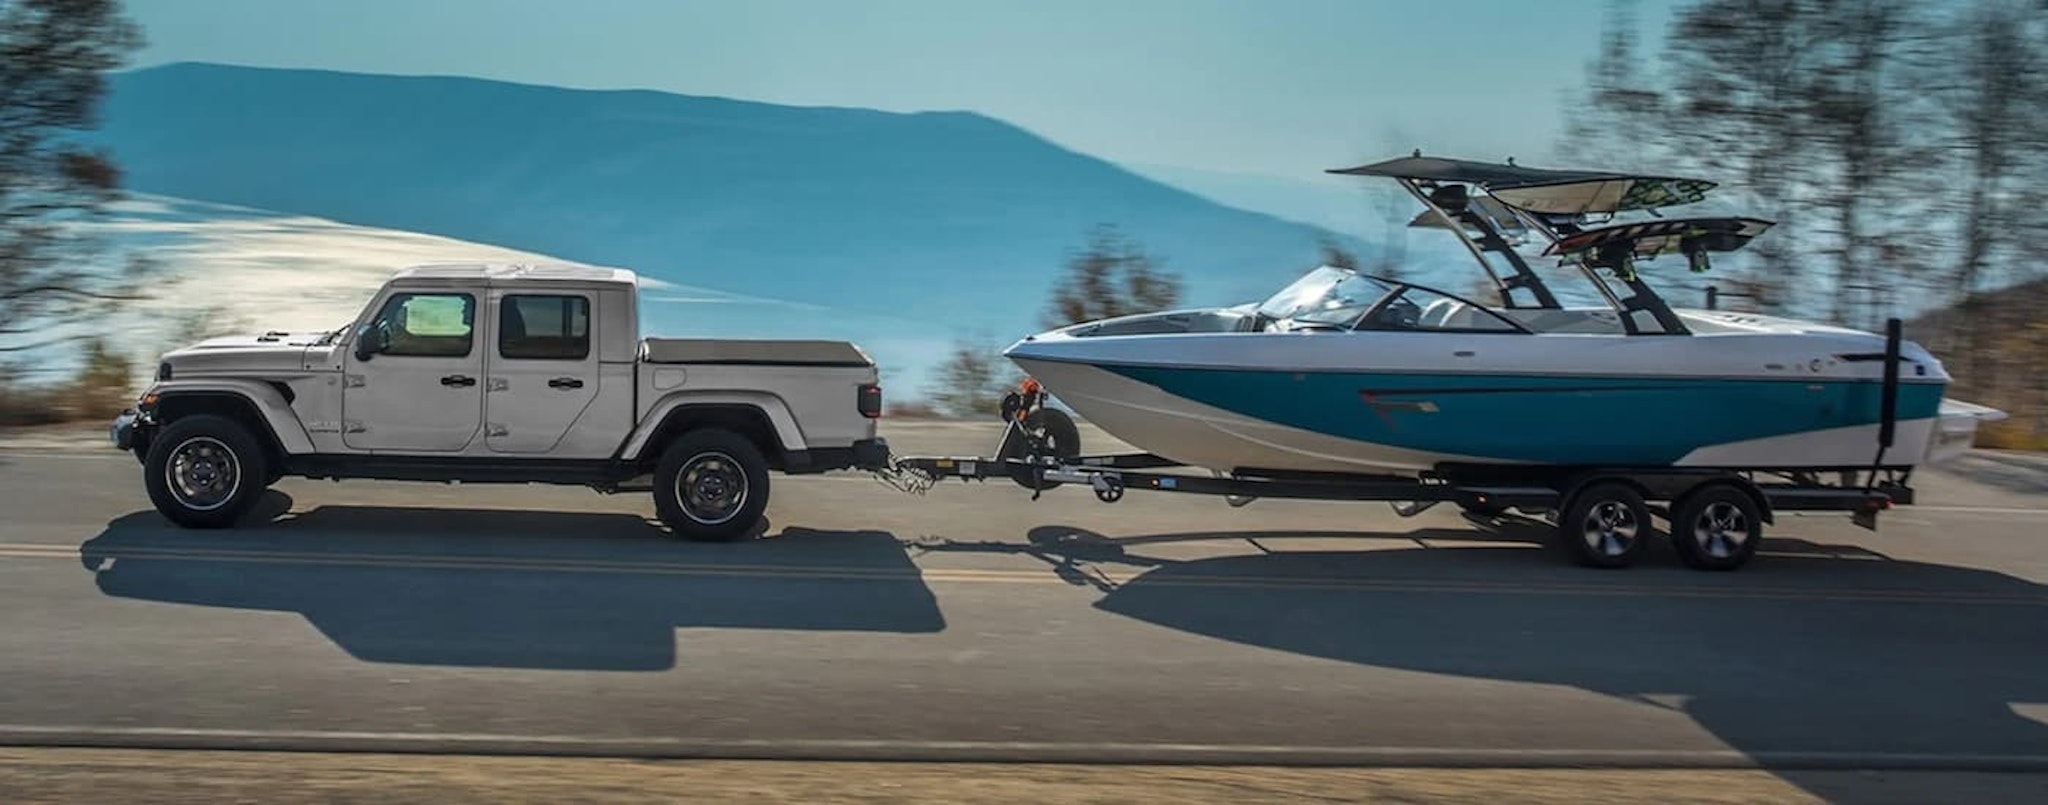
1350,205
948,218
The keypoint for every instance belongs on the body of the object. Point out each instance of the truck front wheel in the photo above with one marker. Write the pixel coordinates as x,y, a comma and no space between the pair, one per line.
205,471
711,484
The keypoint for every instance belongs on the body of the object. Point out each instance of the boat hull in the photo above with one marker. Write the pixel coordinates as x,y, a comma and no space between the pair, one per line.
1406,424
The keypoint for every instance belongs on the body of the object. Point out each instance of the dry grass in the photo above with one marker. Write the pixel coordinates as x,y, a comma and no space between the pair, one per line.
2010,435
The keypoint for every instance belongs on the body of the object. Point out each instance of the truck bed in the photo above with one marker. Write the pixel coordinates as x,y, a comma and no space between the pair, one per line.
762,352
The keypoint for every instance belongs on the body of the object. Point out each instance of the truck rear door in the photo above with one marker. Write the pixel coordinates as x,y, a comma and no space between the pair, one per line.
543,367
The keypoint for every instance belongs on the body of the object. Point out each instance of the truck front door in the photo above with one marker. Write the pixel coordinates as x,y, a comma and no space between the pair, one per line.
418,388
543,369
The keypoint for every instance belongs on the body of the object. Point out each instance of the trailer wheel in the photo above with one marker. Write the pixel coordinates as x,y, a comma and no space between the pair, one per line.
1606,524
1054,432
1716,527
711,484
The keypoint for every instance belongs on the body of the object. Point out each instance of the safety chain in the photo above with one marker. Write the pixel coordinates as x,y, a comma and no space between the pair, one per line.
906,479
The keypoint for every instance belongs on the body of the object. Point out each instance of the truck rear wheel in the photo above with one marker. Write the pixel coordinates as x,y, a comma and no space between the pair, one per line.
711,485
205,471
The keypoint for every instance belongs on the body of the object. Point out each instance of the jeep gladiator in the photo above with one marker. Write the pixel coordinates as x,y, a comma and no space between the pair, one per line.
503,374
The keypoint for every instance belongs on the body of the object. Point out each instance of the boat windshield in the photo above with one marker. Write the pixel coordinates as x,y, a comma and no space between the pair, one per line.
1327,295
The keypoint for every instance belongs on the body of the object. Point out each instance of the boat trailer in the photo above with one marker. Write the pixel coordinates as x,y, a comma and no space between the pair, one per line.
1721,512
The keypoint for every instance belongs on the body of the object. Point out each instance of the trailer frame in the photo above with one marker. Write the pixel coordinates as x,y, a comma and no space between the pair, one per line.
1547,491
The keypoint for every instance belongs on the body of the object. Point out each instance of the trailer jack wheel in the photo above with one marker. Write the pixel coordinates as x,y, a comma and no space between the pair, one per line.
1041,434
1107,489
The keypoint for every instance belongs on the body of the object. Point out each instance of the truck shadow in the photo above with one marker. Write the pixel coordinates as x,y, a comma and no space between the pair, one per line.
1813,651
515,589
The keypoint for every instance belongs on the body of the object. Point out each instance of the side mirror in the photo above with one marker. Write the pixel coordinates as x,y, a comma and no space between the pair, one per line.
370,340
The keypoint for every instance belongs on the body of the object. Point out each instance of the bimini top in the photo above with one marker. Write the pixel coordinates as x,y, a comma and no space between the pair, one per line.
1545,191
1465,171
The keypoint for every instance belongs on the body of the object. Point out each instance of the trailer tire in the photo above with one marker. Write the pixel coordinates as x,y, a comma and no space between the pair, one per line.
1606,524
1057,430
711,485
1716,527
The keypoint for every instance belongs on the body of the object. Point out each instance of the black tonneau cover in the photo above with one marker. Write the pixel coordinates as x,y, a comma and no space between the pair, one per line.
753,352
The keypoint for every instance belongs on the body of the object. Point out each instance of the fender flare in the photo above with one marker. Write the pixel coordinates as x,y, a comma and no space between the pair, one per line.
286,431
771,406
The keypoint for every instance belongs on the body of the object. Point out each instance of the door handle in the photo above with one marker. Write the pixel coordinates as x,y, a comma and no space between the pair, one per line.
565,383
458,380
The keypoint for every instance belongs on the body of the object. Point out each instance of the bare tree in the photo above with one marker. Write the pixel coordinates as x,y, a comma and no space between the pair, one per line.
972,380
1612,120
53,57
1998,109
1111,276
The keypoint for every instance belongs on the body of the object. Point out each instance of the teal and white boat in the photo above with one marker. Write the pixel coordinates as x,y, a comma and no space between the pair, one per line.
1350,373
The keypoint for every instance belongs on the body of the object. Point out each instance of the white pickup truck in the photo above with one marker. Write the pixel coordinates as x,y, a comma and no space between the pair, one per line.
506,374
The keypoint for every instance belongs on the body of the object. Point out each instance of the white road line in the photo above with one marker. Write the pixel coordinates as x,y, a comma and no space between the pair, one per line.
1100,751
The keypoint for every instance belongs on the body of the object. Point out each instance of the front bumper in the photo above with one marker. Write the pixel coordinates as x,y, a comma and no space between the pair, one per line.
132,431
123,431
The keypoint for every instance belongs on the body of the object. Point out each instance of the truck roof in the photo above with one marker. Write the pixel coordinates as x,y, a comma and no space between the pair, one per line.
495,273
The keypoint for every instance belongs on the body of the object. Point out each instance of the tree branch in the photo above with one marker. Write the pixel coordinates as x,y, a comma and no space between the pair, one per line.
34,290
41,344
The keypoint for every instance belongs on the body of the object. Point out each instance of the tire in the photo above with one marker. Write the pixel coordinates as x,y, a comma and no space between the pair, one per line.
205,471
1606,525
1057,430
1716,527
711,485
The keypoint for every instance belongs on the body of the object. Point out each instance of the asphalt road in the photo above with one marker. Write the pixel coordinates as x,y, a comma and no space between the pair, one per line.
975,623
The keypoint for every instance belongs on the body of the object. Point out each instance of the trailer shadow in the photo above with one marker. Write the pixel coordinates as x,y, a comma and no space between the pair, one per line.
514,589
1813,650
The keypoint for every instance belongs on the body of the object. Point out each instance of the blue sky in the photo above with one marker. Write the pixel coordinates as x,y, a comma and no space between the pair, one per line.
1271,87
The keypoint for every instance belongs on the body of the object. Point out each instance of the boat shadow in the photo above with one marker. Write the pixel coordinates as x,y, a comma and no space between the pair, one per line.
513,589
1814,650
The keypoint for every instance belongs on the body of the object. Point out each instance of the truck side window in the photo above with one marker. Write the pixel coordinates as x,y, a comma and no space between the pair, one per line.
429,325
544,328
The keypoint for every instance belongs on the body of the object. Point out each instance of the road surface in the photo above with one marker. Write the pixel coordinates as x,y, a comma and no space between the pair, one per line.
973,623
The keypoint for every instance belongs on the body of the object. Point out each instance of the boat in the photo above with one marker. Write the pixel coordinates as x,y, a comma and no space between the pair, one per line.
1343,371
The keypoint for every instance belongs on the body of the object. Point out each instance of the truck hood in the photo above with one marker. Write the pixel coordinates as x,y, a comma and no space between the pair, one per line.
272,353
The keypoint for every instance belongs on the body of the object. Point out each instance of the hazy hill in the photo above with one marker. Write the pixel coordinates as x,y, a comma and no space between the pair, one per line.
946,217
